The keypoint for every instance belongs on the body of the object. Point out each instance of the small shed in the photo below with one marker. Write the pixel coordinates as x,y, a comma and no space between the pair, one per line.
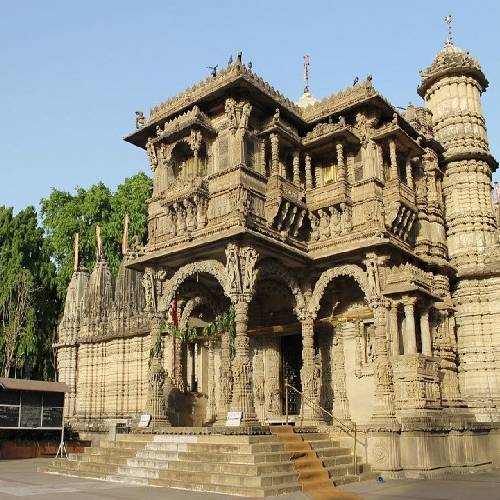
31,404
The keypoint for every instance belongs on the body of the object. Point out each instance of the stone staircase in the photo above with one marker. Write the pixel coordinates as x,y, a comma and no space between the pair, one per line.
256,466
337,460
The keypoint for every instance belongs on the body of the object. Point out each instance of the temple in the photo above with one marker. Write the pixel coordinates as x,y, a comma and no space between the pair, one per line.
335,260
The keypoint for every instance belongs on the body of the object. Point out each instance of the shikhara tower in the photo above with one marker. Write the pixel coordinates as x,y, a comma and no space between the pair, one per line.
353,248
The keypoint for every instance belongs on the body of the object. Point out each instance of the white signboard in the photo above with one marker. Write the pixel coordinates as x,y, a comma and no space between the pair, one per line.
144,421
233,419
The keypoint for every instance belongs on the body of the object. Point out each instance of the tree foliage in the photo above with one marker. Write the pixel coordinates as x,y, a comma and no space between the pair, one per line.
64,214
28,300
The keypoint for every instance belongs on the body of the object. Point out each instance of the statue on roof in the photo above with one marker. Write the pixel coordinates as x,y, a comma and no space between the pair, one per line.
139,119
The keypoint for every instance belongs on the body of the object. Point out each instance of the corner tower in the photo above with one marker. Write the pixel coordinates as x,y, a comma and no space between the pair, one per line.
451,87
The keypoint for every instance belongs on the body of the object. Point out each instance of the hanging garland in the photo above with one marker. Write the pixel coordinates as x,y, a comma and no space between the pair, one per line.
156,349
223,322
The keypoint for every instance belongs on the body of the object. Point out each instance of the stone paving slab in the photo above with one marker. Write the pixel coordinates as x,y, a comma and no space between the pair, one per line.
20,479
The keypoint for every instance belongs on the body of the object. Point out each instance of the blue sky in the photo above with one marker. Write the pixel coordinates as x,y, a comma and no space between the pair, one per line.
73,73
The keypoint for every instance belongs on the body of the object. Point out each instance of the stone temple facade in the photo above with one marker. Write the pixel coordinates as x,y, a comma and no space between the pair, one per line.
355,247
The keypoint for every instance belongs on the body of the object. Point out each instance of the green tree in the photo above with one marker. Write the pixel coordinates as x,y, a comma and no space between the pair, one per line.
64,214
28,298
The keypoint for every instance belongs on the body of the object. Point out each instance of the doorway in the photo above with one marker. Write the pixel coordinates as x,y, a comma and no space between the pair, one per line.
291,363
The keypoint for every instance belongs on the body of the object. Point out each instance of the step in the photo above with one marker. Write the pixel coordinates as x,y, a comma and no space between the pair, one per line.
124,452
99,459
156,455
166,447
239,458
152,463
231,468
235,448
141,472
275,479
196,485
338,460
129,445
328,452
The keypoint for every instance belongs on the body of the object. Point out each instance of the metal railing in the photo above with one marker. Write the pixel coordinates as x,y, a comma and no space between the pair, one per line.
351,431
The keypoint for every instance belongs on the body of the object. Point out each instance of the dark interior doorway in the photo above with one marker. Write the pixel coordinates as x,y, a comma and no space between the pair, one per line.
291,363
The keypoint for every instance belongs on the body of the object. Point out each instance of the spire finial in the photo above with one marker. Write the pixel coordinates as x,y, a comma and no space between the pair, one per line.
125,235
99,249
449,39
76,251
306,73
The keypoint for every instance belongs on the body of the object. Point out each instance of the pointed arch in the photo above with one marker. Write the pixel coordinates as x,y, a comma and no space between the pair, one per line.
347,270
272,268
192,304
212,267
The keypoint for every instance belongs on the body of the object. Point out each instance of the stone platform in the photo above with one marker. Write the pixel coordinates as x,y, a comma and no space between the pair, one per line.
245,465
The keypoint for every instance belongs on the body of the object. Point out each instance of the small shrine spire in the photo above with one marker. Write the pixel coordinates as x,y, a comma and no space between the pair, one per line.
449,38
76,253
125,235
306,73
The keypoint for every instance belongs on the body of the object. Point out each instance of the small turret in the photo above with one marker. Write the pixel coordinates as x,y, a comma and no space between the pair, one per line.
73,304
98,298
129,300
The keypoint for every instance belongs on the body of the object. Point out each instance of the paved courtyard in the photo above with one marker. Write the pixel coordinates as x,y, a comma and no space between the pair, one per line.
19,478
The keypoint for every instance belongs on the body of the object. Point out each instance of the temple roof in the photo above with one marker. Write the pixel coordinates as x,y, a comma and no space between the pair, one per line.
240,77
451,60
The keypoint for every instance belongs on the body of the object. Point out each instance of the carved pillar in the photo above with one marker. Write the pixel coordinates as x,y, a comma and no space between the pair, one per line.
259,378
394,159
341,162
409,174
341,405
426,333
309,373
262,157
272,376
242,366
211,406
296,168
394,329
226,379
275,161
309,179
156,402
384,388
411,338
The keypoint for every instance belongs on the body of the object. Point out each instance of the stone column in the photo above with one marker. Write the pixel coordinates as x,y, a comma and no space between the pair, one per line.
411,338
426,333
242,367
394,159
309,179
341,402
226,379
384,388
262,156
275,159
296,168
409,174
309,375
394,329
341,162
211,408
